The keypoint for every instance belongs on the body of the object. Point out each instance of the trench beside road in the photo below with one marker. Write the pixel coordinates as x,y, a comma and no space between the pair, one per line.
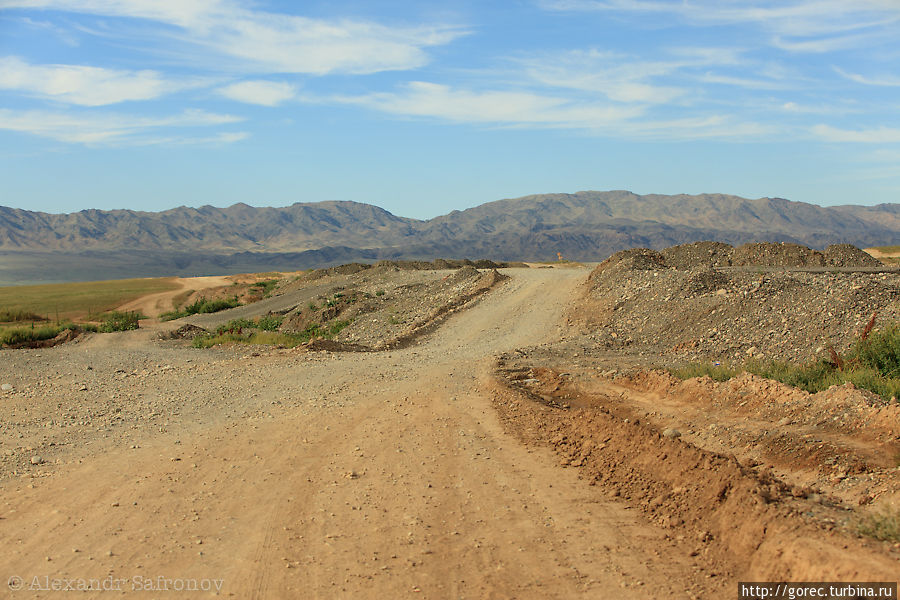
357,475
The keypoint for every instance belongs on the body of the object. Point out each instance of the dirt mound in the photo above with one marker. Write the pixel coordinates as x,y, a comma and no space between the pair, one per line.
347,269
733,314
776,255
462,275
704,282
374,311
66,335
698,255
410,265
635,259
847,255
185,332
712,255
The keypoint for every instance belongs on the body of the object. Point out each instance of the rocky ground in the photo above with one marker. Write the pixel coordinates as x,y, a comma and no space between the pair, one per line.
693,303
518,443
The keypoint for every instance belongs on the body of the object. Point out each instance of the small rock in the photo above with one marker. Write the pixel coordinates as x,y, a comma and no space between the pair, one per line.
36,460
671,433
6,387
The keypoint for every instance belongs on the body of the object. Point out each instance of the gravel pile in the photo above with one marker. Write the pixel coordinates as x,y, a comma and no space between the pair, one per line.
731,315
385,310
709,255
409,265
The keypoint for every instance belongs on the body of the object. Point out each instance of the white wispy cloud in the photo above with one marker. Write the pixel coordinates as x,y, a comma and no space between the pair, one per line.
94,129
881,81
619,78
782,18
820,109
820,45
527,109
879,135
423,99
85,85
264,42
744,82
264,93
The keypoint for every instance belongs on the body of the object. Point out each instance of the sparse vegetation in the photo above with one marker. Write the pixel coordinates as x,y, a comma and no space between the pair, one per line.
263,332
872,364
181,298
882,525
201,306
269,322
120,321
266,286
19,316
714,371
16,336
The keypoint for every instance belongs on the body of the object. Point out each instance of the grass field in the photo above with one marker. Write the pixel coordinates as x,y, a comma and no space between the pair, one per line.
78,300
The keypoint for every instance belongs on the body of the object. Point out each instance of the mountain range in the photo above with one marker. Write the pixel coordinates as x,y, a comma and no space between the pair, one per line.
587,226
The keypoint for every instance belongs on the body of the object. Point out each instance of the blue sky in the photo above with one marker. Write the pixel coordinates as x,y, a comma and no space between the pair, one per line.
426,107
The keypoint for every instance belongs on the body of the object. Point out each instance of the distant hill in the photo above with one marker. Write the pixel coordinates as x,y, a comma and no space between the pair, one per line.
95,244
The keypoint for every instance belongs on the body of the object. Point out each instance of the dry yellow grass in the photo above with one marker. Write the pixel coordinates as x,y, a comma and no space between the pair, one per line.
78,300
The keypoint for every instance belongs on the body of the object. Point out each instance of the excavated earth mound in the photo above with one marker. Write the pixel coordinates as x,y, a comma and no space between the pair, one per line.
379,312
709,255
675,305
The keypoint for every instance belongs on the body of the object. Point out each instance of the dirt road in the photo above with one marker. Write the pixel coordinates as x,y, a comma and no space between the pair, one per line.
155,304
374,475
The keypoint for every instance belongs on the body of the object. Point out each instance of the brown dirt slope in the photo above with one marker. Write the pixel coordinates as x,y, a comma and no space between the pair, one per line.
765,520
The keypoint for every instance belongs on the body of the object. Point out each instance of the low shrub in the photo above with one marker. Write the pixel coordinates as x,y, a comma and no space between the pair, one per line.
258,335
873,363
15,336
882,525
18,316
266,286
201,306
120,321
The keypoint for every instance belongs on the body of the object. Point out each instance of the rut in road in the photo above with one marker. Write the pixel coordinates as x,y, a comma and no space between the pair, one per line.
388,476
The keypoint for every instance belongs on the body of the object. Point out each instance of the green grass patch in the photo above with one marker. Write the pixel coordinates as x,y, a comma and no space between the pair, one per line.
233,333
871,364
265,286
264,323
883,525
269,322
120,321
201,306
887,249
77,300
15,336
19,316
